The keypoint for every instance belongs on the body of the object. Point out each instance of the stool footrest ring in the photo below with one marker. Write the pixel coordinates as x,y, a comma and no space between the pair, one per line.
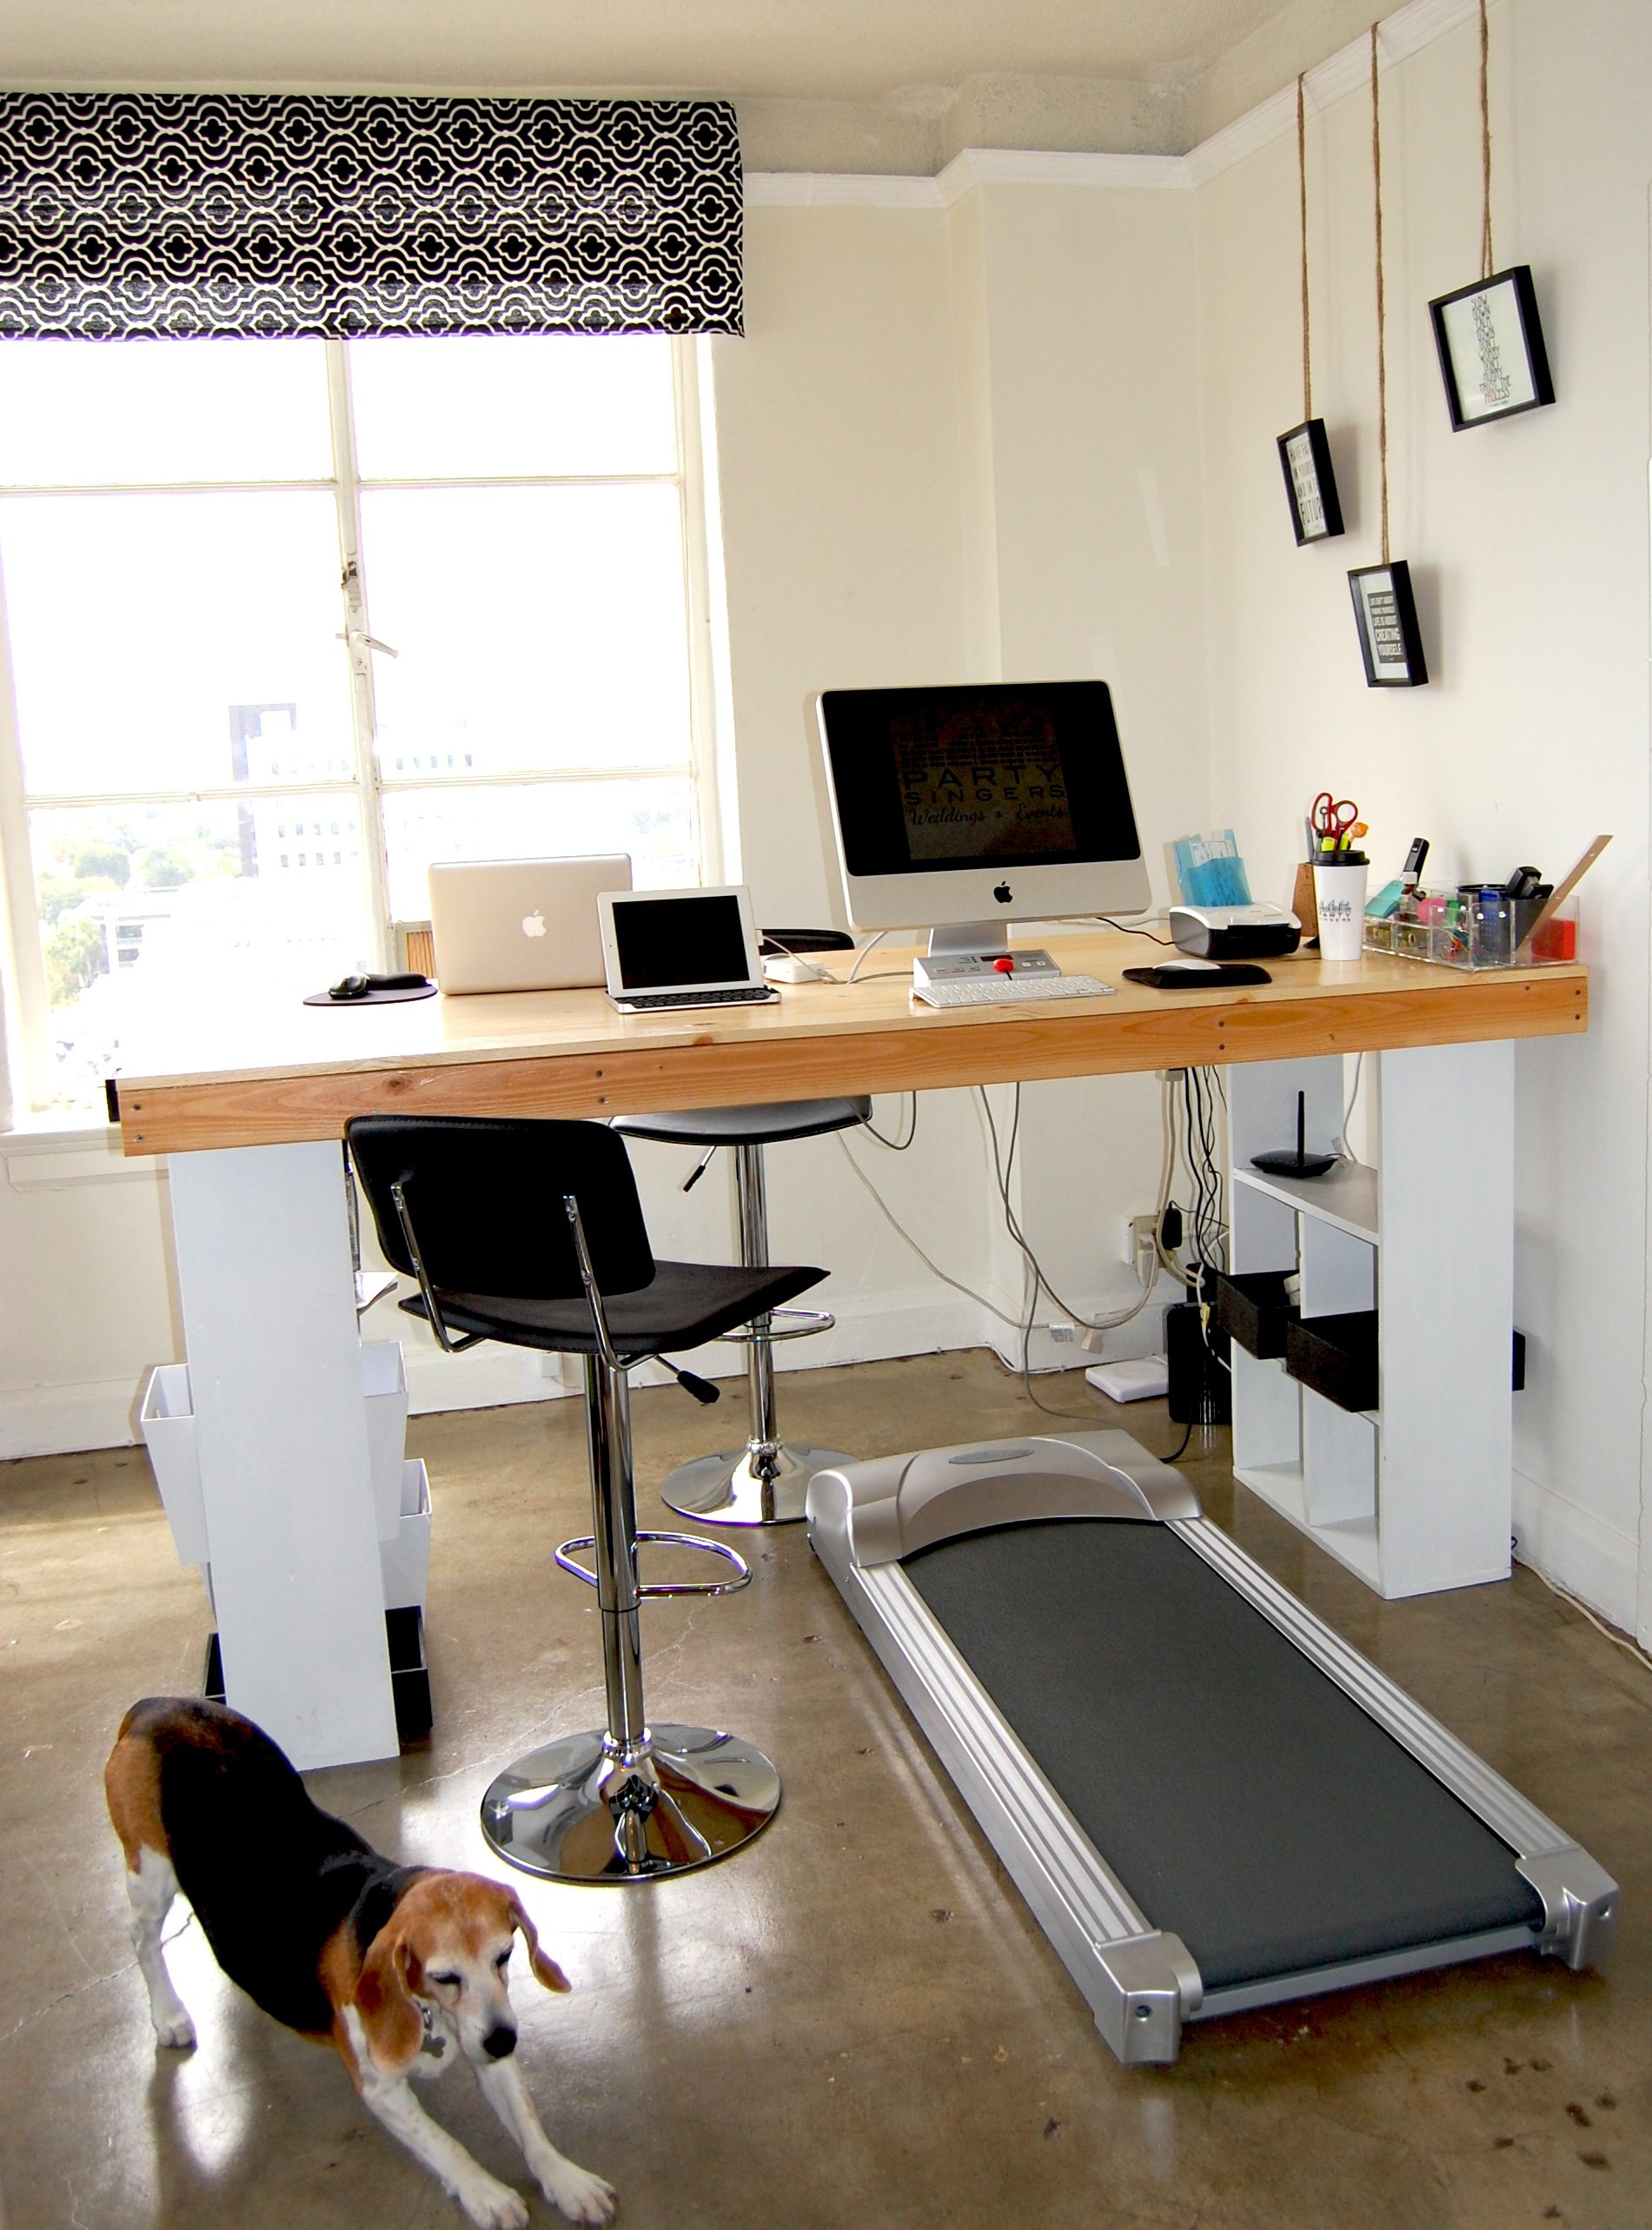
808,1322
569,1562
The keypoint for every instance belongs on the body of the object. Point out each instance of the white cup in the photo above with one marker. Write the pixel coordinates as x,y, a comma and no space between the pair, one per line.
1339,898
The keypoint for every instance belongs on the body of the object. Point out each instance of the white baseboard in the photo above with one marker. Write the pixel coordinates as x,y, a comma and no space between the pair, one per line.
65,1420
1593,1561
61,1420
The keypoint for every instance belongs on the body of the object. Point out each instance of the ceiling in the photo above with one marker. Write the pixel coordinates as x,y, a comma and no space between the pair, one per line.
830,84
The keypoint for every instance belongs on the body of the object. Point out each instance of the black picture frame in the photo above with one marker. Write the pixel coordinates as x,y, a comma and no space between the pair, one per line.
1310,483
1490,342
1390,641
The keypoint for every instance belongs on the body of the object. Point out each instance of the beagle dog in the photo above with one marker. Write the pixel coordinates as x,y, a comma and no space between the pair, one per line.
402,1968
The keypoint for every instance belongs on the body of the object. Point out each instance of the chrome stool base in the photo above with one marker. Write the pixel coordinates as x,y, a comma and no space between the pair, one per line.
580,1810
758,1484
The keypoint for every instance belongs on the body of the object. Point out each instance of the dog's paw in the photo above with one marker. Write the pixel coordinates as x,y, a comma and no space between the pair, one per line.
175,2031
579,2195
491,2205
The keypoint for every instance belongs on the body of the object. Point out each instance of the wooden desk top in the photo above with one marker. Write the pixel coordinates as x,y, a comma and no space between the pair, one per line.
268,1075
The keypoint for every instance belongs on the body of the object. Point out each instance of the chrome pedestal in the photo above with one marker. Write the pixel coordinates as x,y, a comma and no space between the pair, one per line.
763,1484
628,1803
581,1810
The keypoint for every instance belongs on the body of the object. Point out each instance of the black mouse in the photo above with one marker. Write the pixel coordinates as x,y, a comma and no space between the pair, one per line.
349,987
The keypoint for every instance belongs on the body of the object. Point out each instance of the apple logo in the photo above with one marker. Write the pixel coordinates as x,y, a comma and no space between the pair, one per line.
1004,894
534,924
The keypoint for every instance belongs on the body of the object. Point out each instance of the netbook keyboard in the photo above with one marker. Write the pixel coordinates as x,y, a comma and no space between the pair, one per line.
650,1002
1009,990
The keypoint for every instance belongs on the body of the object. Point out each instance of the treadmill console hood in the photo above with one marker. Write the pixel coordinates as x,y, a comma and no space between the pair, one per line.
893,1504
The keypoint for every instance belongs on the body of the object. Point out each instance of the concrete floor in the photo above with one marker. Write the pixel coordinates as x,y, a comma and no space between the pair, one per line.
854,2021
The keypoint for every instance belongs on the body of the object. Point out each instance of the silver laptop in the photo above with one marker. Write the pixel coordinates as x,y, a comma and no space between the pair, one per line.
666,949
521,925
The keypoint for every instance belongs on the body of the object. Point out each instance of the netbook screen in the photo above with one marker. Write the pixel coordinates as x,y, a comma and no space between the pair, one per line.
671,943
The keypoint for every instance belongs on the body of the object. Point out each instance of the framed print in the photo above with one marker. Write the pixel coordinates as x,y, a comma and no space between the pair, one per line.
1390,639
1309,482
1491,340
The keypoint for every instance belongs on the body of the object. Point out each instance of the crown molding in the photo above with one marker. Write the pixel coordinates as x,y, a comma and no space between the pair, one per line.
1400,35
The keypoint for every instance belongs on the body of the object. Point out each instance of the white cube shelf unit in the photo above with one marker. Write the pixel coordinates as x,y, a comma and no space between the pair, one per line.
1415,1494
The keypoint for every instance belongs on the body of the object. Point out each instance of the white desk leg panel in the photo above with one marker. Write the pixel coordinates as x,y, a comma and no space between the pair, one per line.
275,1376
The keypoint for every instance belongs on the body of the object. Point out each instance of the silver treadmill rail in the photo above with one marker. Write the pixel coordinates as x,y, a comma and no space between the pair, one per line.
1140,1982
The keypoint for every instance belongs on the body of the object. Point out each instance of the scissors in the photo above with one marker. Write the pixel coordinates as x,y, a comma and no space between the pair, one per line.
1333,820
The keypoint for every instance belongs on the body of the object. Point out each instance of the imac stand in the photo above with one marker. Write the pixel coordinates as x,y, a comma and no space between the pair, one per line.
967,951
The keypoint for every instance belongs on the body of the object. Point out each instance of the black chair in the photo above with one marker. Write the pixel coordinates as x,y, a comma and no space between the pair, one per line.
531,1233
766,1482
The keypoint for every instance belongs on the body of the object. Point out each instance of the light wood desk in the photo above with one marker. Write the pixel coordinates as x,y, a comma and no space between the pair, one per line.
250,1107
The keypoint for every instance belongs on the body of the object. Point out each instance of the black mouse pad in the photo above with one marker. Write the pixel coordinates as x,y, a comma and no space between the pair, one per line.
1223,976
377,998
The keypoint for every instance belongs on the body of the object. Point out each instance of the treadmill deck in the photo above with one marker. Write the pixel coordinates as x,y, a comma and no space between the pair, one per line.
1208,1799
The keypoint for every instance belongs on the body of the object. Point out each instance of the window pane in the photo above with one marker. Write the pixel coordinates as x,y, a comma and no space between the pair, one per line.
79,414
537,628
471,409
147,911
152,635
652,820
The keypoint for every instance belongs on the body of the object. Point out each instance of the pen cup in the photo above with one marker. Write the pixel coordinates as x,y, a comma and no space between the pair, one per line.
1339,898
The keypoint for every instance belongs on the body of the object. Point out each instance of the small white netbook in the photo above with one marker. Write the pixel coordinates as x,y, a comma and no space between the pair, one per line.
521,925
666,949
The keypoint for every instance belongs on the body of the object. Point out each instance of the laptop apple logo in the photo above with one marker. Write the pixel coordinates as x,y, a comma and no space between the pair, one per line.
1004,894
534,924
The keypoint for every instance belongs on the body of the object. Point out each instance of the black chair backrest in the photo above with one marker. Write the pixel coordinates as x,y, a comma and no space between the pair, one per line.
485,1200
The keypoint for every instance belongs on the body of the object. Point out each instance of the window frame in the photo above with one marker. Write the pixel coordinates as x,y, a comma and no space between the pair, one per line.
23,990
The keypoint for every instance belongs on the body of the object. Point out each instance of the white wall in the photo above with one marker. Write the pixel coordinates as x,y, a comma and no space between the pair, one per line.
1528,542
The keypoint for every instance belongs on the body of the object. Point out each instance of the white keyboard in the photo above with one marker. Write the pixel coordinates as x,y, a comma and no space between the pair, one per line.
1009,990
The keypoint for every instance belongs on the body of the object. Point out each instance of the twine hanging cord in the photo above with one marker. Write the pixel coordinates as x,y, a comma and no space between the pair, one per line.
1302,198
1382,353
1486,263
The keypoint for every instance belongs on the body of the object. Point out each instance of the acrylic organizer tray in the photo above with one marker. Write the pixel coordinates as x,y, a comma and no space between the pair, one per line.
1468,933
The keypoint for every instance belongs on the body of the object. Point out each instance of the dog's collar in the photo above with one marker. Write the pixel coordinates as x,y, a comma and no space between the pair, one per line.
435,2042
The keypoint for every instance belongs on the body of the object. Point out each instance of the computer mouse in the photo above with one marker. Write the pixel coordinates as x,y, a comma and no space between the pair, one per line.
349,987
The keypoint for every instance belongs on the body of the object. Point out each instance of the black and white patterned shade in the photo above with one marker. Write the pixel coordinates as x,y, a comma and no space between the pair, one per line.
129,215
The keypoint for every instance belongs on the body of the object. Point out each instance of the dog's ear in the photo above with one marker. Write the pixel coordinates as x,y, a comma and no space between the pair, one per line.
545,1968
392,2022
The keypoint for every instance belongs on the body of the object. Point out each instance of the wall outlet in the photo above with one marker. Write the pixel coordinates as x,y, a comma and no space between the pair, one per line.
1139,1233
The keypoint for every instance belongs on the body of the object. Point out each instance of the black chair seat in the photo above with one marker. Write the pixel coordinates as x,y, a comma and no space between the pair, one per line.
686,1304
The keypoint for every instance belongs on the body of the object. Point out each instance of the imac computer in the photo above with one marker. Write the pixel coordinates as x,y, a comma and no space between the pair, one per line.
962,809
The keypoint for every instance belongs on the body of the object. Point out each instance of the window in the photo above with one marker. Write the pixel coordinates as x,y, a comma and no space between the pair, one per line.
433,593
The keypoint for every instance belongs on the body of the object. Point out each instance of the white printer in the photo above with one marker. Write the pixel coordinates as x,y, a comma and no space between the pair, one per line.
1234,932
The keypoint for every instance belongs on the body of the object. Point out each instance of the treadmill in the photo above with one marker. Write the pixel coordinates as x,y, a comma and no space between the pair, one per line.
1209,1800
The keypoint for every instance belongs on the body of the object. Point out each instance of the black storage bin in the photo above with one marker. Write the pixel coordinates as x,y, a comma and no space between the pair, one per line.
1252,1308
1336,1356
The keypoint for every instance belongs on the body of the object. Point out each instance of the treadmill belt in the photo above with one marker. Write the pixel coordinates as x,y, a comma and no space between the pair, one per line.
1243,1800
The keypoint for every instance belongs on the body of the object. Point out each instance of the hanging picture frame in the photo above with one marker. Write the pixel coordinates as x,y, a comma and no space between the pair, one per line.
1391,640
1492,356
1310,483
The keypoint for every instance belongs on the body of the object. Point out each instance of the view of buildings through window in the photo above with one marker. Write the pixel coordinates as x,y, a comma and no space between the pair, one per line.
285,621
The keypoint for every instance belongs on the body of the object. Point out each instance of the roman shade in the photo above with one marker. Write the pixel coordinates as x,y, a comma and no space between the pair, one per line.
129,215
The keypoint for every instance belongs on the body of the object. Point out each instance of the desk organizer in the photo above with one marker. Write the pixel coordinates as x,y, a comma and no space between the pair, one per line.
1253,1308
166,1419
1464,933
1336,1356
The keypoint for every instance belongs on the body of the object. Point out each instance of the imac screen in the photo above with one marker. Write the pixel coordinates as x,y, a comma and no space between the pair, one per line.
999,775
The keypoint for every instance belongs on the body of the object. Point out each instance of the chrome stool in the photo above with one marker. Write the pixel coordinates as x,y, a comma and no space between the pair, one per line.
531,1232
764,1483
